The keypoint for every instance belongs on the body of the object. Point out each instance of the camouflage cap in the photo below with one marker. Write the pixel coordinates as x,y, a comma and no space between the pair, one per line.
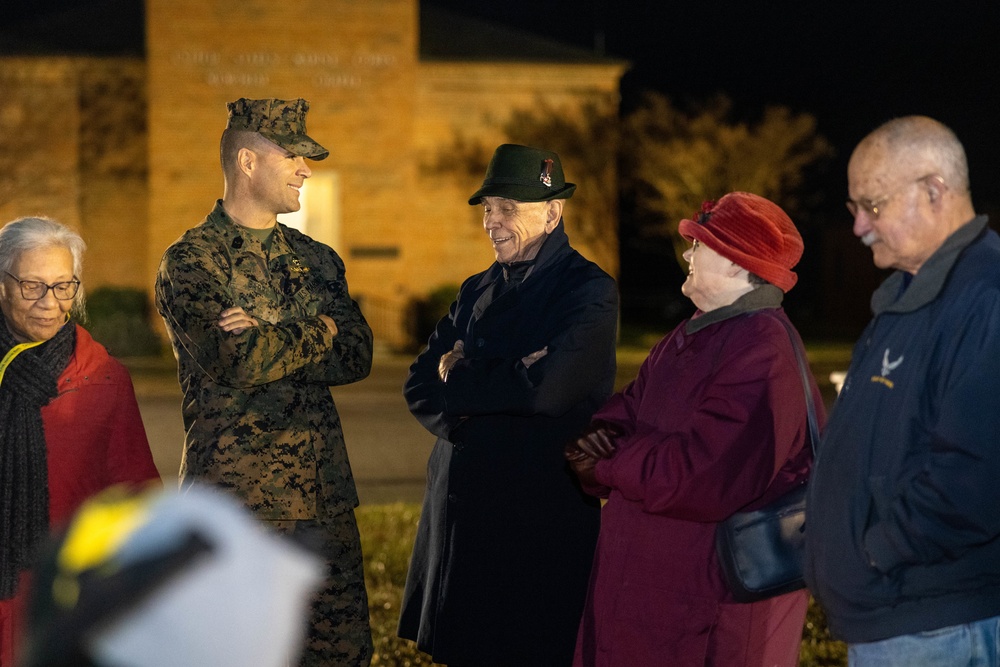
281,121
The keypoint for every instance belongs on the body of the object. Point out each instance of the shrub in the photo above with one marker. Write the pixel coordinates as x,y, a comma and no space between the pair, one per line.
819,649
428,311
387,534
118,318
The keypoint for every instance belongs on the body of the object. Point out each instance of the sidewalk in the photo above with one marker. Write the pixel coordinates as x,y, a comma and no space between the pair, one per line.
387,447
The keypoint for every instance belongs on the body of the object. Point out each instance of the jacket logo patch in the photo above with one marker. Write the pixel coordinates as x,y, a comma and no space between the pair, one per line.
887,367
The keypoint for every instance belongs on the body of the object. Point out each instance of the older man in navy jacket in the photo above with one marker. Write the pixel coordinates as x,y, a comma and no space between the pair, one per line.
903,529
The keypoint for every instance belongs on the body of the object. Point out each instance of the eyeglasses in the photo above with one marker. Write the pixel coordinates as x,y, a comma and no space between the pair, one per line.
33,290
873,206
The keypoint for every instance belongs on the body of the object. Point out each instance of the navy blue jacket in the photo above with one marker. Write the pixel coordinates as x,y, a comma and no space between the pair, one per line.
903,525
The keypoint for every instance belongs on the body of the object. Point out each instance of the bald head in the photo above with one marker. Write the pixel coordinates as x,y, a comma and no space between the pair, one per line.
923,143
908,188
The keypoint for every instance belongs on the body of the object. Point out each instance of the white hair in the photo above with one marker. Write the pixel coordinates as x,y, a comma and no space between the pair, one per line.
25,234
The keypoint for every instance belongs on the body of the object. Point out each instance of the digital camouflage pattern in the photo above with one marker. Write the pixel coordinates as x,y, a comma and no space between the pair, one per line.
283,122
259,417
338,631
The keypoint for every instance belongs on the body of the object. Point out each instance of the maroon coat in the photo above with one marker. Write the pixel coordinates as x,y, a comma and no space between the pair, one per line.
714,422
94,439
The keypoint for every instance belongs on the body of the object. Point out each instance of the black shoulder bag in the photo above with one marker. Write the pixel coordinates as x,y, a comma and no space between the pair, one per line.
760,551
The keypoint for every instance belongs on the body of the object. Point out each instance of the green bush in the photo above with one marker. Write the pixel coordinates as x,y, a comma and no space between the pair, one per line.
119,319
428,311
819,649
387,534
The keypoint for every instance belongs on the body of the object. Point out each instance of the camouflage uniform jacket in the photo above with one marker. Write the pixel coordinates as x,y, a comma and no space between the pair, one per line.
259,417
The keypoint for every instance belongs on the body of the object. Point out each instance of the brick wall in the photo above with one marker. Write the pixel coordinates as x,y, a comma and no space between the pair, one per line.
39,144
113,170
126,150
74,149
356,64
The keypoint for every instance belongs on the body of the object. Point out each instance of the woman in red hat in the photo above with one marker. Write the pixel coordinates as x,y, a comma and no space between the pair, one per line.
715,422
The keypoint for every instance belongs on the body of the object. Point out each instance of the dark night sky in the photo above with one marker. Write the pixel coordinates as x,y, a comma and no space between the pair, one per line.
852,64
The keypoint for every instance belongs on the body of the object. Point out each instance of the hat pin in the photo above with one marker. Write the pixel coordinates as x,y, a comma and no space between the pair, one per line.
546,176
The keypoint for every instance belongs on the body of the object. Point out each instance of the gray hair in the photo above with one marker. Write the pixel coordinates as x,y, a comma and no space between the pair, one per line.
927,139
25,234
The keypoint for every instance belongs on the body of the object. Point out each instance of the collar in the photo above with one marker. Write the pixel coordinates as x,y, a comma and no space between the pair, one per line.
928,282
765,296
552,247
555,246
516,272
239,238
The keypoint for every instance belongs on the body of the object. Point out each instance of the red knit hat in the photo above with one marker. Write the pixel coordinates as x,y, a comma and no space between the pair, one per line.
752,232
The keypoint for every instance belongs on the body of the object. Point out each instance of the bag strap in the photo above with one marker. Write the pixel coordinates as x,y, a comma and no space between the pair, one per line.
804,372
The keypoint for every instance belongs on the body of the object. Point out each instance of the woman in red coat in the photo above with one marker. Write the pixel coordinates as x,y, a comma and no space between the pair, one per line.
714,423
69,422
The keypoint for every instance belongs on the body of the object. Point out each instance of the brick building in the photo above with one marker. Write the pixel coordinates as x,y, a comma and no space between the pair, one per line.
122,143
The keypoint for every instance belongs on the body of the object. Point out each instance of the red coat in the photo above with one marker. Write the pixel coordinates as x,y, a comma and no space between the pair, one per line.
94,439
714,422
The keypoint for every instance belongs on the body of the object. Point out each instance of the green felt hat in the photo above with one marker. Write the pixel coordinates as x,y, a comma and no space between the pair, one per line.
523,173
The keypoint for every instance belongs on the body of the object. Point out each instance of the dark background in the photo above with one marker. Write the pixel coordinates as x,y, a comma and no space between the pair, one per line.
853,65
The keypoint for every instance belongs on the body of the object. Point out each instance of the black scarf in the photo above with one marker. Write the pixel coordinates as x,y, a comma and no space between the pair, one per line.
513,275
28,385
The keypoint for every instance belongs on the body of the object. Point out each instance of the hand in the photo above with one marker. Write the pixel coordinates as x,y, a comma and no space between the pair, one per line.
581,464
534,356
330,324
449,359
597,443
583,453
235,320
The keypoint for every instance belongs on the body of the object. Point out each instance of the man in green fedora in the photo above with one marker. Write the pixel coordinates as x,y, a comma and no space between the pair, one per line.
503,553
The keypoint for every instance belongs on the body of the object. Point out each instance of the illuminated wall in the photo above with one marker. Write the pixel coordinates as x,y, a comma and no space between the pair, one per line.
126,150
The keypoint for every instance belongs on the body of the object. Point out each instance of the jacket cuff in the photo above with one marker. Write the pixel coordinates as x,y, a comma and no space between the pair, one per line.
604,472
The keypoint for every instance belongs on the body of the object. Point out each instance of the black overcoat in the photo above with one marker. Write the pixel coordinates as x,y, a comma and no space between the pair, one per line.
506,539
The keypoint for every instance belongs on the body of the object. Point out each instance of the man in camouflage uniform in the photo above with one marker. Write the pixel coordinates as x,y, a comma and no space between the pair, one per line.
262,324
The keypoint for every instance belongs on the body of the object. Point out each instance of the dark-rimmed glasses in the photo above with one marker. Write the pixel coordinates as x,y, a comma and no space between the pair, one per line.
873,206
33,290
